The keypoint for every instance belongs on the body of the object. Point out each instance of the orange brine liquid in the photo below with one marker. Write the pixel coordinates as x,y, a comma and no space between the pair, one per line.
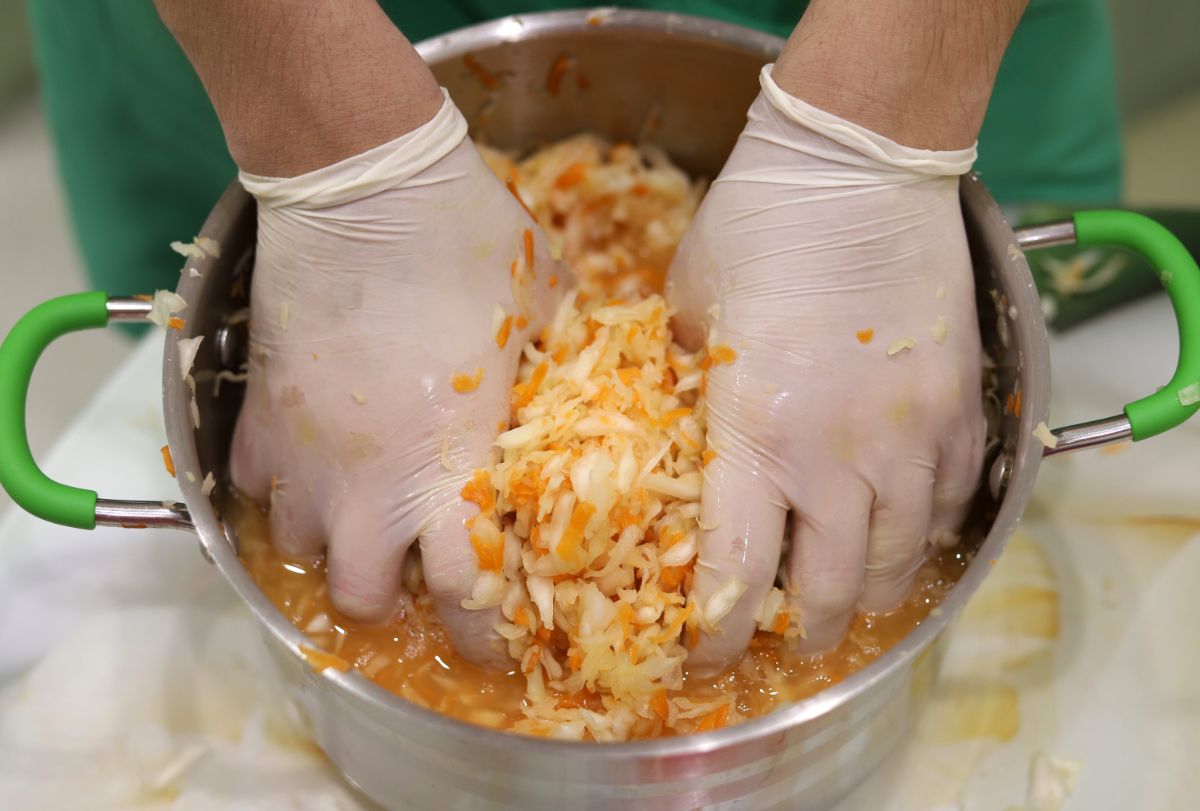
412,656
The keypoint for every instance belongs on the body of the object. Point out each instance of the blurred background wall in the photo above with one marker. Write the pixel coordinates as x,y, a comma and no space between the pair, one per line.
1158,84
1158,54
16,59
1158,63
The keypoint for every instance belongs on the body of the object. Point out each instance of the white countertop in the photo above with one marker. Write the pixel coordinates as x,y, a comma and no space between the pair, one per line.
126,659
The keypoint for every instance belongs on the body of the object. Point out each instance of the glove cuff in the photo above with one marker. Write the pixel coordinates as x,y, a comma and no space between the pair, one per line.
862,140
387,166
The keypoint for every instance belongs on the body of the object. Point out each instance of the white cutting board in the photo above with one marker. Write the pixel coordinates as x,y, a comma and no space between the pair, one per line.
129,663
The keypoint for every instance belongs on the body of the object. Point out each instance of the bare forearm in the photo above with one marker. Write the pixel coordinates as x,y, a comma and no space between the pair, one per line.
917,71
300,84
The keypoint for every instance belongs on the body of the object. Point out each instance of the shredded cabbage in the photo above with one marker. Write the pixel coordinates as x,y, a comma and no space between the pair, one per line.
595,496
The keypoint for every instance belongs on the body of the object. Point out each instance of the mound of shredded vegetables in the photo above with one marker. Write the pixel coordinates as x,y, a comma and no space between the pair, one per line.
589,520
615,213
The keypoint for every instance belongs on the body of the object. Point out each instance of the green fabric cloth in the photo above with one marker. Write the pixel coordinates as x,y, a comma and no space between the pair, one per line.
143,160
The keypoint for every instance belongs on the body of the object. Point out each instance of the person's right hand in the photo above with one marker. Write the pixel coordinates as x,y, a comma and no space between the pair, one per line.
377,380
833,264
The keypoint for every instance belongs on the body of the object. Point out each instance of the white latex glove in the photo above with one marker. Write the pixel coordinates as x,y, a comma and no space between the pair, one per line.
375,285
816,230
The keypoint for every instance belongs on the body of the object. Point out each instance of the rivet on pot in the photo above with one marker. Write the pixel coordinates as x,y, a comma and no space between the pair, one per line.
231,341
998,478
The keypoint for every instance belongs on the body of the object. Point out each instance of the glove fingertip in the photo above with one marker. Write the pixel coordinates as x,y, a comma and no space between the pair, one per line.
738,557
365,558
451,571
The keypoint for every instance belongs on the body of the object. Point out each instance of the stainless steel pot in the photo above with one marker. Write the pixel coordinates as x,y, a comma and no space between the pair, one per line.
684,83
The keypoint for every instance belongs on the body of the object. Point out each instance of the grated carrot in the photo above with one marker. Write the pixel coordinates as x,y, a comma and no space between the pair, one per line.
781,622
660,705
511,184
714,720
865,335
465,383
707,457
527,237
522,322
718,355
572,537
625,620
168,462
175,322
552,282
672,630
480,491
1017,404
504,331
318,660
629,374
555,76
670,538
530,388
672,415
489,556
485,77
573,175
671,576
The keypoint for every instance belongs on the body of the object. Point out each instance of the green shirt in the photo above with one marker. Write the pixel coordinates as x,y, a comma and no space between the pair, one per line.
143,159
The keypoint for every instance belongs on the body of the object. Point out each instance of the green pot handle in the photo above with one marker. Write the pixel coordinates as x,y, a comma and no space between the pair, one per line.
20,475
1177,271
1169,406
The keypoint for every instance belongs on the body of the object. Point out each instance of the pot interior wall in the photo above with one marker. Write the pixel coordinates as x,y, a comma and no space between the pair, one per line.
685,90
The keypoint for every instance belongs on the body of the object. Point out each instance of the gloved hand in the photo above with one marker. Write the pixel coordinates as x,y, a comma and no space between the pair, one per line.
377,377
833,262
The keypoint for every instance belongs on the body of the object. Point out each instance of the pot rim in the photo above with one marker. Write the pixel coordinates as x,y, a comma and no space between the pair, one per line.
218,543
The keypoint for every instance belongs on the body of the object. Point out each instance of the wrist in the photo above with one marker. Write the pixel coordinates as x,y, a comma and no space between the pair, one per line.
919,73
381,168
877,151
301,85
